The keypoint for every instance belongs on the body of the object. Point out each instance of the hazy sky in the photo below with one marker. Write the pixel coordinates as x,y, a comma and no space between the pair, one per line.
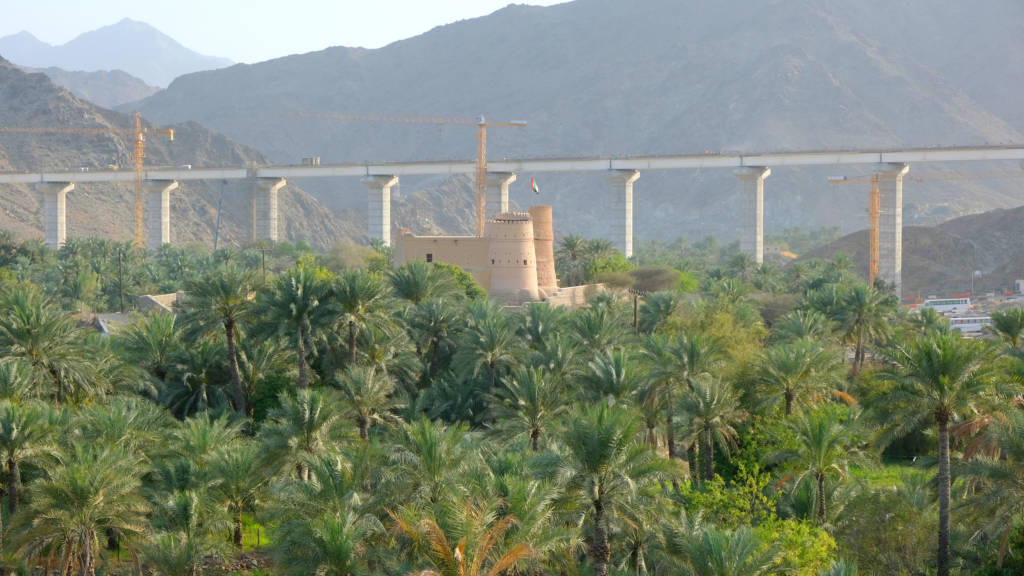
249,30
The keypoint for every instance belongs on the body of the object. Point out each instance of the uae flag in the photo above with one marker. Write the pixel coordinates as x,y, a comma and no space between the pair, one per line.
534,187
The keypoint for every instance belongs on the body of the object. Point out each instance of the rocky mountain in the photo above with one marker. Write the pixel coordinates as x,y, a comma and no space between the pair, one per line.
105,210
104,88
626,77
134,47
941,259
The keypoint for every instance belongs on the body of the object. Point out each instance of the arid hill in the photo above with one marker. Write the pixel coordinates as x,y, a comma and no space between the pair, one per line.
105,210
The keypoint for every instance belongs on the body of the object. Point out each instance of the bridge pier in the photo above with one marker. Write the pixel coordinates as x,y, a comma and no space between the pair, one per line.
378,218
55,212
890,224
497,193
158,211
752,210
622,209
264,208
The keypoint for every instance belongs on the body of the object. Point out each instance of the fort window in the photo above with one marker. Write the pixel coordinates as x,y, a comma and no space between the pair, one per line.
430,257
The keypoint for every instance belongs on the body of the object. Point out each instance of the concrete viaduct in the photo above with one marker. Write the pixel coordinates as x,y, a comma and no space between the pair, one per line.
750,170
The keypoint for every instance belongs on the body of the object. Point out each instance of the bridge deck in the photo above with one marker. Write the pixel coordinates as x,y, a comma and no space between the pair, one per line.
535,165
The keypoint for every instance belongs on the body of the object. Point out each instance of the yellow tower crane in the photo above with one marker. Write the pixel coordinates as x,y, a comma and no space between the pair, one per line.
875,204
874,212
481,123
138,153
138,156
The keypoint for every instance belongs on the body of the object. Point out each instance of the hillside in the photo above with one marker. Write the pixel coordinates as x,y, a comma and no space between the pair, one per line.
659,76
941,259
154,57
105,209
103,88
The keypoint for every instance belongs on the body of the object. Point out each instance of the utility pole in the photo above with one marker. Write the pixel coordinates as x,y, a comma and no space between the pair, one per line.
120,275
636,293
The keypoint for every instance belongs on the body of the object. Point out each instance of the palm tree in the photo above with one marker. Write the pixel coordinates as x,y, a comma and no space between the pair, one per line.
675,363
796,372
569,255
529,402
50,343
261,362
198,439
220,301
239,483
152,342
711,409
474,553
297,307
26,435
417,281
436,322
360,297
942,377
490,343
324,528
1009,325
303,426
1000,499
802,324
173,554
742,266
426,457
863,316
16,383
928,320
198,381
90,494
657,309
191,519
599,328
613,375
368,397
543,322
604,462
716,552
135,425
822,449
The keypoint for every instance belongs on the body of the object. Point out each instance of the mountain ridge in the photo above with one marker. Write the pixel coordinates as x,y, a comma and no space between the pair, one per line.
609,77
154,58
105,209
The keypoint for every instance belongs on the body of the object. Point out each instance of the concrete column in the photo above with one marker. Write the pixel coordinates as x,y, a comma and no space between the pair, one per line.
378,215
55,212
497,193
890,224
158,212
622,209
264,208
752,210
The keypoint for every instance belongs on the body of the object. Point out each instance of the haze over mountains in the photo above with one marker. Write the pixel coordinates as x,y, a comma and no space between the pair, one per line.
130,46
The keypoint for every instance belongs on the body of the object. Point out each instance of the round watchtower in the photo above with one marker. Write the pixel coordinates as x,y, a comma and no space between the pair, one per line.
544,246
512,258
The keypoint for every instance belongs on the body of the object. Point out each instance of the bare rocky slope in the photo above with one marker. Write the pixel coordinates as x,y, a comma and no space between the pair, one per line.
105,210
941,259
597,77
103,88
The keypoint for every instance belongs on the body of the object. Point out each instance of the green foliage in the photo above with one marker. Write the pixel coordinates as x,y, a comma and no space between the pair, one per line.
433,428
464,280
